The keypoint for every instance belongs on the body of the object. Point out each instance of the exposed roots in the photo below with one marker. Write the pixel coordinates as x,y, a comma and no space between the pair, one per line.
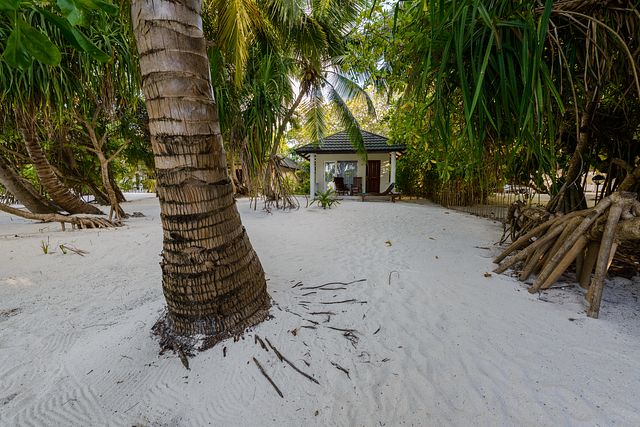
588,237
76,221
187,346
521,219
276,188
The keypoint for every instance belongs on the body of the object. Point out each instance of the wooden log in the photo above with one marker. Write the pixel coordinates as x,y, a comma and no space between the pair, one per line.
536,262
555,232
604,253
538,231
570,228
588,264
523,240
571,240
78,220
566,261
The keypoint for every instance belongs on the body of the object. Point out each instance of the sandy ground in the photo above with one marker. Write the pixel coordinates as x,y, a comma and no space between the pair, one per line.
435,341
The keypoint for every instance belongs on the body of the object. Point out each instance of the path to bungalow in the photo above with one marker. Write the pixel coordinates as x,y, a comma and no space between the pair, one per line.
433,340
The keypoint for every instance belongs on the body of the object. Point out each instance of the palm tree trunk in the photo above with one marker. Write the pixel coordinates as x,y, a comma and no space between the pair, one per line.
58,192
212,279
23,190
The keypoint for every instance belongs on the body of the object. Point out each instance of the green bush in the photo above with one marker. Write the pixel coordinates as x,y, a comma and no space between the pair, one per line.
326,199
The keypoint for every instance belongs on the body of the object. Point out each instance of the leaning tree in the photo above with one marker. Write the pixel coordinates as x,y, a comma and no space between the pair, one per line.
212,278
47,50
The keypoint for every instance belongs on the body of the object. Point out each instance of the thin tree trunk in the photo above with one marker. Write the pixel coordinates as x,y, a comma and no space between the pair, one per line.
285,122
23,190
212,279
116,188
571,197
98,146
58,192
100,196
106,183
631,180
270,190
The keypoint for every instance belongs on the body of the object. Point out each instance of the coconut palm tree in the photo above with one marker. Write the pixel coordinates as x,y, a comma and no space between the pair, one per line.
212,279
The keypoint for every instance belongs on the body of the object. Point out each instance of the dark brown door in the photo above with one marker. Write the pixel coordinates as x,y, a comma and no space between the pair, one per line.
373,176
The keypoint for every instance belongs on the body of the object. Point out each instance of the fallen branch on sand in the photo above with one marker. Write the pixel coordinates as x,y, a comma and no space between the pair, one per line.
342,369
267,377
79,220
333,283
343,302
288,362
257,339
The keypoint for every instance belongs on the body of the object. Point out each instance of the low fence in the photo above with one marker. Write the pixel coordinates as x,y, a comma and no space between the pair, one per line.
492,205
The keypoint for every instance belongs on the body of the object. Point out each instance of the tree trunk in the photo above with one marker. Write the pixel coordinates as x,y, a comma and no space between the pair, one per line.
631,180
58,192
116,188
571,196
100,196
98,149
212,279
106,183
23,190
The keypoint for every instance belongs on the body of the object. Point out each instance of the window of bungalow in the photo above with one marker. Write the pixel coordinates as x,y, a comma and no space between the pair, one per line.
347,170
329,172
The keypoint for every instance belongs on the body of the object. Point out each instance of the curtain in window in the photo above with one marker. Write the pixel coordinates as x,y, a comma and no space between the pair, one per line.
329,173
347,170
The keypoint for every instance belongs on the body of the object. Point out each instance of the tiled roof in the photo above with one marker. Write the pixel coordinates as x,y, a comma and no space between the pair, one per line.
339,143
286,162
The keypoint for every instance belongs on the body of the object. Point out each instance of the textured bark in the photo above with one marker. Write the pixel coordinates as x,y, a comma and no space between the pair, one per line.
23,190
58,192
80,220
212,279
115,187
631,180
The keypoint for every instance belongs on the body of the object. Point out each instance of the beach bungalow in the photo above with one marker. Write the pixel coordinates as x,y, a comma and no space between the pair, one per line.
333,159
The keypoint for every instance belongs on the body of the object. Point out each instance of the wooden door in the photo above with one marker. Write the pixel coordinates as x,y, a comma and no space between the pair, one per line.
373,176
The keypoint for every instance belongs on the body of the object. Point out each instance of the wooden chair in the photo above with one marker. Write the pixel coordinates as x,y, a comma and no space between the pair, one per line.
356,187
341,189
392,195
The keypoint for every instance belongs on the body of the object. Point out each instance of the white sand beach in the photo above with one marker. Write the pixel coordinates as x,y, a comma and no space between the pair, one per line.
434,340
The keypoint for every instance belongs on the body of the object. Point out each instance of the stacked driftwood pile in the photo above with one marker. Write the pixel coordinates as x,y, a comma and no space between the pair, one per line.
588,237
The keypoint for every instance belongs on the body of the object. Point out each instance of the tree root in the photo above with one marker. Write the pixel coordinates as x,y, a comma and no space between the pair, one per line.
588,237
80,221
